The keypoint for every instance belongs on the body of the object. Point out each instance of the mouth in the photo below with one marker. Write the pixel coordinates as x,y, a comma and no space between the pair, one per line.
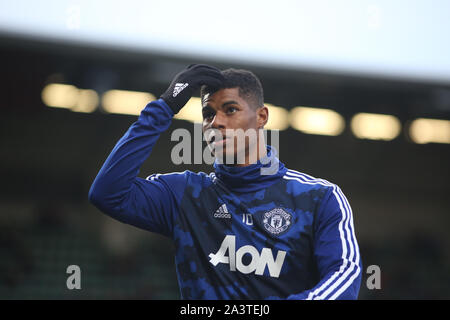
219,142
215,138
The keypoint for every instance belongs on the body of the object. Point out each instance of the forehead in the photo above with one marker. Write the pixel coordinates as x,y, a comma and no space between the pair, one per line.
221,96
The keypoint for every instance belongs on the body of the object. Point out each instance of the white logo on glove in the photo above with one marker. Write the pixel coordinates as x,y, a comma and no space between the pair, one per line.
178,88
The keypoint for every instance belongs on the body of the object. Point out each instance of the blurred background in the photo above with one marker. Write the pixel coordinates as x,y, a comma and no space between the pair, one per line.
360,91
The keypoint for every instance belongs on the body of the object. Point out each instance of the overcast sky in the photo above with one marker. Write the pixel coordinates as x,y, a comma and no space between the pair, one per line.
396,38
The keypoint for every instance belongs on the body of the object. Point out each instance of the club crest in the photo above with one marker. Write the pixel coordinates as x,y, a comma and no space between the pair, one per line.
277,221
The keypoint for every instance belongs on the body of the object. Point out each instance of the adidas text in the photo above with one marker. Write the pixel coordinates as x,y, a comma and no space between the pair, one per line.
222,212
178,88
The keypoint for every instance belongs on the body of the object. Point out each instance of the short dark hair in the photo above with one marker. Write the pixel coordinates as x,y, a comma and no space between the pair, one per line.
249,85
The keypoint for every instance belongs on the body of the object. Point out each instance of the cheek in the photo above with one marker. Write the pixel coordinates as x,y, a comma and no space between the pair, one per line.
251,122
245,122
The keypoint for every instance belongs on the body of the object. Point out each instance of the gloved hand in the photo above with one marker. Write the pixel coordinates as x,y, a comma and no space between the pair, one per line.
188,81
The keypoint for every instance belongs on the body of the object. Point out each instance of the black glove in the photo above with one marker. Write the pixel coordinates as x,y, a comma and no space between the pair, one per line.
186,82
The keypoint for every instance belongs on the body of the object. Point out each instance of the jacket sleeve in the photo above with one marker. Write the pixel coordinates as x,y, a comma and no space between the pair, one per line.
336,251
151,203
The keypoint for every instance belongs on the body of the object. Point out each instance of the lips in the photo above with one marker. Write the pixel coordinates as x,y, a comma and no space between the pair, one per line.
219,142
216,138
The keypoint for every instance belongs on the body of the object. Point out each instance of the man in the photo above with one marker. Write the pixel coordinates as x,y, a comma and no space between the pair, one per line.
239,232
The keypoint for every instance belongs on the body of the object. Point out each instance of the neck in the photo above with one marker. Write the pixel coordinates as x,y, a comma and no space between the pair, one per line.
252,153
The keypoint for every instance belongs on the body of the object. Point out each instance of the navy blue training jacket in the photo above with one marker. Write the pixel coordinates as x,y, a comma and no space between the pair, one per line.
238,234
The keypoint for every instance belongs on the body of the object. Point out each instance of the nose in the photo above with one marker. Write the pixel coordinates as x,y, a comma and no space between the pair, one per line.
219,121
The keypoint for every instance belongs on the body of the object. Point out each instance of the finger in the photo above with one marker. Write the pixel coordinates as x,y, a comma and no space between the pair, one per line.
208,72
212,81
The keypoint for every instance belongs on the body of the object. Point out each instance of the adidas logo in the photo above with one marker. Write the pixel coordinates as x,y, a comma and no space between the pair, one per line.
222,212
178,88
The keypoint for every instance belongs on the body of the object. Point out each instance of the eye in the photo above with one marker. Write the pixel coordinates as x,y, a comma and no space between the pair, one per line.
231,110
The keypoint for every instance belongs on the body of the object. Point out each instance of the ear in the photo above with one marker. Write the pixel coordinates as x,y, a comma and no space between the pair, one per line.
262,116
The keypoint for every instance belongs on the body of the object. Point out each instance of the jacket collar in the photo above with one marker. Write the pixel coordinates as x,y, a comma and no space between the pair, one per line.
254,177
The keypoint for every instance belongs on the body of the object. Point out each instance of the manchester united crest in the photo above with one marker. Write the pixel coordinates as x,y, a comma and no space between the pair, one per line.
277,221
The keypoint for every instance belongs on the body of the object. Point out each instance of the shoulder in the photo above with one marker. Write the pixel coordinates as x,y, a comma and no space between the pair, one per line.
329,195
186,176
169,175
180,183
299,182
307,180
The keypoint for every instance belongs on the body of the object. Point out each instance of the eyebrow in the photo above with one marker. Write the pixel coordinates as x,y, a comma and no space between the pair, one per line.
226,103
